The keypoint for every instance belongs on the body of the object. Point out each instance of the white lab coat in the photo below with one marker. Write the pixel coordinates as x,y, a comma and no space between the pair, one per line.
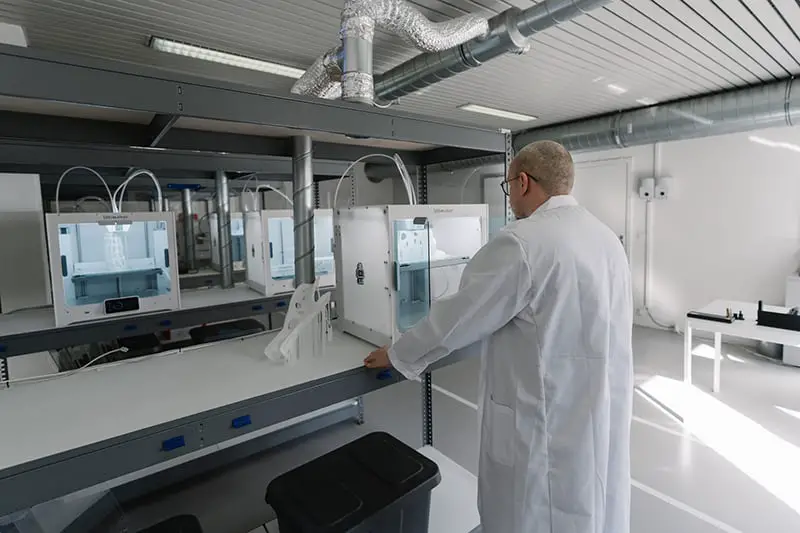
548,301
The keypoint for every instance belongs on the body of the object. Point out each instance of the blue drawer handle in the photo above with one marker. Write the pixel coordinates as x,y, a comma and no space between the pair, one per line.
173,444
3,348
130,327
165,323
241,422
258,307
385,374
282,303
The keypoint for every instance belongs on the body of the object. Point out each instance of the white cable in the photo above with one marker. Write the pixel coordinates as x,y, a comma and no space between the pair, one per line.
122,349
79,202
121,189
648,244
270,187
64,174
648,265
466,182
400,167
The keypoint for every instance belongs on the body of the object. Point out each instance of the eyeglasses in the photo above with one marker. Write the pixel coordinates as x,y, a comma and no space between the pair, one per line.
504,183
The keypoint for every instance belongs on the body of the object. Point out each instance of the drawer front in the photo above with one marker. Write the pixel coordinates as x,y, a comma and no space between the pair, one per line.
243,420
42,484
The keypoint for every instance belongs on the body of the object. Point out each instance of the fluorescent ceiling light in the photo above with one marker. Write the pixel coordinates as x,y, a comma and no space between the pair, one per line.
207,54
496,112
647,101
616,89
12,34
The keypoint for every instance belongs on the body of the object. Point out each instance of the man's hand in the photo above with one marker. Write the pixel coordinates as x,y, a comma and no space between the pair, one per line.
378,359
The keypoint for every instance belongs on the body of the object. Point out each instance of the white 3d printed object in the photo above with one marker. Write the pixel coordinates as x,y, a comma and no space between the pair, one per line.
307,328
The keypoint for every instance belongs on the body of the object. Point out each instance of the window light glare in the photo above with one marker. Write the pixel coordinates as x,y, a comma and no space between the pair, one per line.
474,108
207,54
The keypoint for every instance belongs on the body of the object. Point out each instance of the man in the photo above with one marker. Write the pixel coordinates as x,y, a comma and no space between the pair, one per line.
549,301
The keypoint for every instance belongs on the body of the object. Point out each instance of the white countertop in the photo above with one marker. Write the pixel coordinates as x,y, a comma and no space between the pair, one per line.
70,412
43,318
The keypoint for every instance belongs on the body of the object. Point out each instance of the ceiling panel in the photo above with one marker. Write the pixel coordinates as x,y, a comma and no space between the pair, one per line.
655,49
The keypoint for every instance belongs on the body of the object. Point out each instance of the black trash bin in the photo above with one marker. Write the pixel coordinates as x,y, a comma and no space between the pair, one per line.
375,484
176,524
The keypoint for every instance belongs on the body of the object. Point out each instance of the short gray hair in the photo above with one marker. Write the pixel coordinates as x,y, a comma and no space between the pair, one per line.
549,164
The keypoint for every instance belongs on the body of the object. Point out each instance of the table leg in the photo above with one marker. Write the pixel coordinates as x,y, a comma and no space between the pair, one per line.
687,355
717,360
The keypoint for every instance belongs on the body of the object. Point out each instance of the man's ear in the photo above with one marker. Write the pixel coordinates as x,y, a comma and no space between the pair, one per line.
524,182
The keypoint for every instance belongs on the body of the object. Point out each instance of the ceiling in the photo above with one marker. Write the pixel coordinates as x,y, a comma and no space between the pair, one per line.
655,49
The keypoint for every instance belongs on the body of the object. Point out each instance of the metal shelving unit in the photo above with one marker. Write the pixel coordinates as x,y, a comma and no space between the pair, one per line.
115,116
58,111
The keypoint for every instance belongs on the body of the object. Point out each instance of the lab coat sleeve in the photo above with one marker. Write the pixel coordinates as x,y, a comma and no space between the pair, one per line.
495,287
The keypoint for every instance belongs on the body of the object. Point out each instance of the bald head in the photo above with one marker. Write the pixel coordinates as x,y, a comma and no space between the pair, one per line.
541,170
548,164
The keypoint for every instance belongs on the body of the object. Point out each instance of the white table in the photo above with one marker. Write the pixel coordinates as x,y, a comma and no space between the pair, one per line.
745,329
96,425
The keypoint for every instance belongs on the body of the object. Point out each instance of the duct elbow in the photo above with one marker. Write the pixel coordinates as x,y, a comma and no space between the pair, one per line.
323,77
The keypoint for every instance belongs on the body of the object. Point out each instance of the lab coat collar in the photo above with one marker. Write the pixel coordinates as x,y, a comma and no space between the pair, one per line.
562,200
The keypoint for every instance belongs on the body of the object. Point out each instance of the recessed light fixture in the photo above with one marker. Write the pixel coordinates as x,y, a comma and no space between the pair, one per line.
496,112
216,56
12,34
647,101
616,89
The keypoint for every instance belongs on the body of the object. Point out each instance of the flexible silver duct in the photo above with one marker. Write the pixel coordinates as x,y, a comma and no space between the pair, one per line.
359,20
509,32
224,230
323,77
303,211
189,252
739,110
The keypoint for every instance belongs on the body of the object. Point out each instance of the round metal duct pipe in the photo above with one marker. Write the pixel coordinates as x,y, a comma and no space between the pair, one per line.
739,110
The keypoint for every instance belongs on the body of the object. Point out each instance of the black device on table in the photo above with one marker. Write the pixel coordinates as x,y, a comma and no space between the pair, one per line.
789,321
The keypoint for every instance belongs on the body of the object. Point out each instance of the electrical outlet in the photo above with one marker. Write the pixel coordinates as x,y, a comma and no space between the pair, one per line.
647,188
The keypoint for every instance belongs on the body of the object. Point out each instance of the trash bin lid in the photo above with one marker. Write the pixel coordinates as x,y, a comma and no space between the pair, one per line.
340,490
176,524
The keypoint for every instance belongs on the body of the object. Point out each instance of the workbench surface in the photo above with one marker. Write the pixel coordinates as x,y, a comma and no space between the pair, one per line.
47,418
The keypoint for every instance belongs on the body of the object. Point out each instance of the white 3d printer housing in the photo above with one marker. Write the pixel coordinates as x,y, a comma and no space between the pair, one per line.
393,260
237,240
269,249
108,265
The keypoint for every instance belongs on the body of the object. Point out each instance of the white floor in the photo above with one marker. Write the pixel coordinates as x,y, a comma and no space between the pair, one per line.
733,466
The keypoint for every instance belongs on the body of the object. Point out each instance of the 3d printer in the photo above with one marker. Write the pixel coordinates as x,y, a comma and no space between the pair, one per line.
269,248
237,240
105,265
393,261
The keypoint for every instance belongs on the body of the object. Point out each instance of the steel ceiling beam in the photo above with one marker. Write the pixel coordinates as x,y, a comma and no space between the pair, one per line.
35,155
58,129
57,77
159,126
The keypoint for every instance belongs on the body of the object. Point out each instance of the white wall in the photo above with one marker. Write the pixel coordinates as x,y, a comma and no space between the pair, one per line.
731,229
